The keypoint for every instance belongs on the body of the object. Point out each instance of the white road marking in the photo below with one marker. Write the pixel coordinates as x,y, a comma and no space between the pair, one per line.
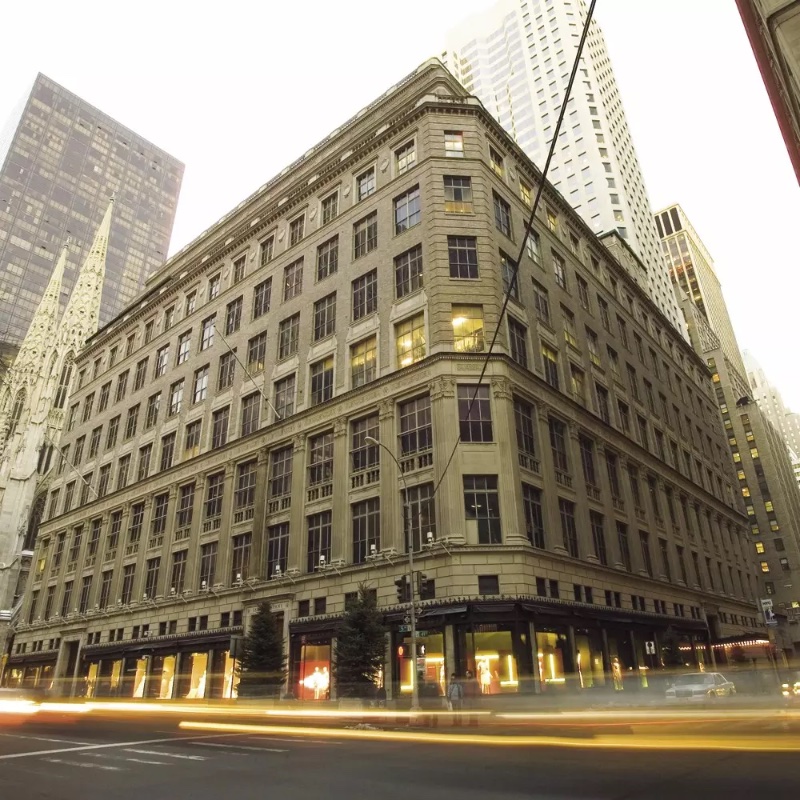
40,738
86,765
126,758
298,740
33,753
163,755
241,747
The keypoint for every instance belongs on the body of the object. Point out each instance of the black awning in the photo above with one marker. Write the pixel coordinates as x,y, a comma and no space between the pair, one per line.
446,611
493,608
31,659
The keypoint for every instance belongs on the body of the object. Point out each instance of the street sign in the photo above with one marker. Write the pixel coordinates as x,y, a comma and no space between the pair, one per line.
404,628
767,611
650,648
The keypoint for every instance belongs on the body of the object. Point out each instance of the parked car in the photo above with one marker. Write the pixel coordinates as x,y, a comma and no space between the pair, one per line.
790,686
700,686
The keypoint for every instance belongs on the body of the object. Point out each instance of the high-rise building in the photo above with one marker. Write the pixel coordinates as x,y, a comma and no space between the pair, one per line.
692,271
60,161
773,27
33,398
764,472
517,58
769,400
572,524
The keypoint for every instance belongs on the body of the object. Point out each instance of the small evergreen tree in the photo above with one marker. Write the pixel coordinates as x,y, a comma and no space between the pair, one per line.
360,647
670,649
263,667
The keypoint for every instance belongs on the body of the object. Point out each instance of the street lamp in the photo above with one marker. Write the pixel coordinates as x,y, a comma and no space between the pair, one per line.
413,612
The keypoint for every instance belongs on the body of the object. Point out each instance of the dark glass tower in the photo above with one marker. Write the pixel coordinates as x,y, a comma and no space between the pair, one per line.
61,161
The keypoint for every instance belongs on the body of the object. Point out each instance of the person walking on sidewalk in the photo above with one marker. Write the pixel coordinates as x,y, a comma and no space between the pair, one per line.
471,691
455,698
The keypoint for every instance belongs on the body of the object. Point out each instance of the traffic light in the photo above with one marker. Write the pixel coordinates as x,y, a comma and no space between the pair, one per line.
402,590
422,584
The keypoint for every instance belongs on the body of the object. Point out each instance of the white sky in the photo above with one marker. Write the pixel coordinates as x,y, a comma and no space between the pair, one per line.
238,90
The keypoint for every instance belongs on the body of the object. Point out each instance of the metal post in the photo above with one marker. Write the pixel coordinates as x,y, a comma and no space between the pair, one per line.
710,643
412,611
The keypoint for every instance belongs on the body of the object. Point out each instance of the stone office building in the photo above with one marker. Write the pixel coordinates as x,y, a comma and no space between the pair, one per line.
577,511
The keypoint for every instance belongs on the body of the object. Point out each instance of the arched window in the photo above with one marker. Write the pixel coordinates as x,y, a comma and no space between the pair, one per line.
33,523
16,411
64,381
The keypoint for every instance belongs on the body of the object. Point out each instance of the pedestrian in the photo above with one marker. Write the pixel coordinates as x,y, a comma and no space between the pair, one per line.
471,692
455,698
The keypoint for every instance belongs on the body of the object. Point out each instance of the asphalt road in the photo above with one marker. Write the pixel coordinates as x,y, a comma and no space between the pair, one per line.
150,759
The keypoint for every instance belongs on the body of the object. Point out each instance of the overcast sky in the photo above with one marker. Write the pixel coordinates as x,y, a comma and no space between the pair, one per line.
238,90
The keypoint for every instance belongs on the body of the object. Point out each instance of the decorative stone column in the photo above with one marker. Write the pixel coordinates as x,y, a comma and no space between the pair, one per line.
390,485
297,553
340,516
580,498
449,517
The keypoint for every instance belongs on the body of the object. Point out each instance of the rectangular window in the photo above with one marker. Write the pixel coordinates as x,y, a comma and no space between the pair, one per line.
145,454
363,362
151,577
226,371
406,211
405,157
665,565
257,353
541,302
177,581
534,515
457,194
508,272
128,574
251,410
191,304
502,215
593,346
297,230
288,336
193,431
328,258
79,443
410,340
363,455
284,396
184,347
122,386
454,144
123,470
266,250
277,549
467,329
496,162
324,317
151,412
599,537
419,503
162,361
105,392
474,413
168,450
219,427
94,442
560,270
185,510
569,327
208,564
215,488
525,193
603,405
644,539
366,517
245,494
463,256
214,286
158,524
240,268
321,374
408,272
319,540
558,444
207,332
605,321
525,426
550,366
586,446
139,376
482,505
518,342
365,295
532,247
88,405
624,545
135,524
292,279
566,511
365,235
365,184
233,316
330,208
200,390
262,297
240,561
416,434
280,472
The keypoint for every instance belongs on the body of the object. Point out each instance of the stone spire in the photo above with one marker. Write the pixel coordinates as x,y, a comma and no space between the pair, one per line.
82,314
39,340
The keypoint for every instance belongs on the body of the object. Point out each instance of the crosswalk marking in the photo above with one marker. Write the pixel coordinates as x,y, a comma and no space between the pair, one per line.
163,754
297,740
87,765
41,738
242,747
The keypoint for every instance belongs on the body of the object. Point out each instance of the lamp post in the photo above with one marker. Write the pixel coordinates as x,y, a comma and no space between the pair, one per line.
413,612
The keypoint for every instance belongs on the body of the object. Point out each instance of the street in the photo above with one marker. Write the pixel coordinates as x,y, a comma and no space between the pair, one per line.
153,756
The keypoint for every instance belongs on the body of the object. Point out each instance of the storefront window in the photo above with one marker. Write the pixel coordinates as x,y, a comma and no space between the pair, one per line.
315,665
430,663
231,677
196,667
589,659
91,680
551,651
491,659
167,677
139,677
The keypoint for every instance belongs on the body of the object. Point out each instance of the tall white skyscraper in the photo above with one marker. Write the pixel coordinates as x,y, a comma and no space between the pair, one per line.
517,58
